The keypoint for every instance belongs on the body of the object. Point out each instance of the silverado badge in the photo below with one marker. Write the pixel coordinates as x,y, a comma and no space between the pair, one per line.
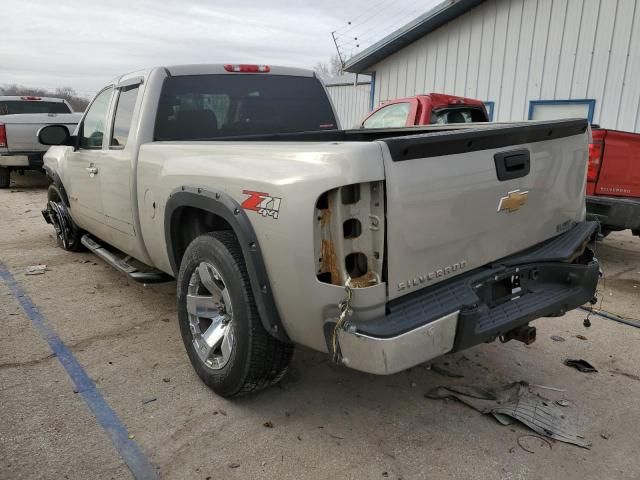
513,201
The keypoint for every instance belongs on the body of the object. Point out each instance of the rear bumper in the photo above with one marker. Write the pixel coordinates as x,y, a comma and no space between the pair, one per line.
27,160
620,213
475,307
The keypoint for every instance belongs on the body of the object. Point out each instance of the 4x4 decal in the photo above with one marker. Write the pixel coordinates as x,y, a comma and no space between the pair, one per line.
263,203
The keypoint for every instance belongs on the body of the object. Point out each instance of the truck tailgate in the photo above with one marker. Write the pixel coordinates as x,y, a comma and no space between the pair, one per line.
620,171
22,129
458,200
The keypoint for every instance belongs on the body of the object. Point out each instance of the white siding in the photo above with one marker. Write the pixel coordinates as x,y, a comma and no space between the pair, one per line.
514,51
351,102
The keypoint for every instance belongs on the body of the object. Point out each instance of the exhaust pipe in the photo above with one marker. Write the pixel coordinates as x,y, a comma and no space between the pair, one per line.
525,334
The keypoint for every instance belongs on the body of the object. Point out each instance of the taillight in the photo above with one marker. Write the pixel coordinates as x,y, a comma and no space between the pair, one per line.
244,68
595,160
3,136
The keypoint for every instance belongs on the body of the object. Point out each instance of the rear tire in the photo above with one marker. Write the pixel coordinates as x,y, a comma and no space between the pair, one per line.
5,177
225,340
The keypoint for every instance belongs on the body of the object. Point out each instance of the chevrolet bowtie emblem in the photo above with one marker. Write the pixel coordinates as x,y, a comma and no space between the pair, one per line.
513,201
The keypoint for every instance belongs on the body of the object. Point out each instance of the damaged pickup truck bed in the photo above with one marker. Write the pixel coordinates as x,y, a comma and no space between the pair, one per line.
385,248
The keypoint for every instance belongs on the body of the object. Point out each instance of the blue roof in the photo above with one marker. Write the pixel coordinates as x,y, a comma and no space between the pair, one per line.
414,30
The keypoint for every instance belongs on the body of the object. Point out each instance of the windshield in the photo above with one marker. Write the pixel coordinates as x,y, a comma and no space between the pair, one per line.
209,106
10,107
458,115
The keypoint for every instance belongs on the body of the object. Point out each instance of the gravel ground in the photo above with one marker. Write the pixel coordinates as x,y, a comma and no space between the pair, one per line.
328,422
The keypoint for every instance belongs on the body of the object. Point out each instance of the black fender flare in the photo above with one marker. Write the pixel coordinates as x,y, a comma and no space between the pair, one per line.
54,178
221,204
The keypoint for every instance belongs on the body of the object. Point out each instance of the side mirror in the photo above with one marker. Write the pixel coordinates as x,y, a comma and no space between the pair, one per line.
54,135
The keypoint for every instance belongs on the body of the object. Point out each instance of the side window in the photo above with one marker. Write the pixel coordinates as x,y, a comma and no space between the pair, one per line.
95,120
391,116
124,113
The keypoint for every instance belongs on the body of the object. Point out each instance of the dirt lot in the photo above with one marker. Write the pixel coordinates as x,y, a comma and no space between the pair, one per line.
328,422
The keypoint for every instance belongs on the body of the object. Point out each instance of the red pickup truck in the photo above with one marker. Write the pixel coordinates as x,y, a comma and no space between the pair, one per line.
613,180
432,108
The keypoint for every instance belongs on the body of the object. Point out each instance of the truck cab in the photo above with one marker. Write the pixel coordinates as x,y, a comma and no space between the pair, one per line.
427,109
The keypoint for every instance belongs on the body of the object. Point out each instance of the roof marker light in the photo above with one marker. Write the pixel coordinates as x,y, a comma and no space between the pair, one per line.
244,68
30,97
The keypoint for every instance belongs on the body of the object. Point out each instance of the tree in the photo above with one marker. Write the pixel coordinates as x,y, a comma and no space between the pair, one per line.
332,68
322,70
78,103
336,66
69,94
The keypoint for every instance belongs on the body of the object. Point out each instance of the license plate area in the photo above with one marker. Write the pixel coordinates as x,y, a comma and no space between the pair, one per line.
506,289
506,286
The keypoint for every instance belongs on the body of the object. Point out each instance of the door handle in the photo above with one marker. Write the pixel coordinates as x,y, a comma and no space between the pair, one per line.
93,171
513,164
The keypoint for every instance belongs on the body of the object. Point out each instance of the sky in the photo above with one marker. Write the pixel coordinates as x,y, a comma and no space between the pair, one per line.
85,43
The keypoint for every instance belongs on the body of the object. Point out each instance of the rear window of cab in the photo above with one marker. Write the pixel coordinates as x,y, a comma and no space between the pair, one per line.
11,107
204,107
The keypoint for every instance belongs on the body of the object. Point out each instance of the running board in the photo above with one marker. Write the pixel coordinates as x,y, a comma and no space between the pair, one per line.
152,276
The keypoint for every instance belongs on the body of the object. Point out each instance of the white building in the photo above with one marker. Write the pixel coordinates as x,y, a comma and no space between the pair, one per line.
529,59
351,97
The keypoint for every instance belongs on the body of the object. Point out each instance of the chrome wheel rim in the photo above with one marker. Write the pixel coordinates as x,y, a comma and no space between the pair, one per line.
210,316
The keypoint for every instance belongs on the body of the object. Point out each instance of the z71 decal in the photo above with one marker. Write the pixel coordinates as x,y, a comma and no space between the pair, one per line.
263,203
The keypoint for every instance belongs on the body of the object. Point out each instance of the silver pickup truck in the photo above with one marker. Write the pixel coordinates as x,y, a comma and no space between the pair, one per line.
20,119
384,248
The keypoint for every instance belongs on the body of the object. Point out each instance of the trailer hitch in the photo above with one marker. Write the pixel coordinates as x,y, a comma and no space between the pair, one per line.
525,334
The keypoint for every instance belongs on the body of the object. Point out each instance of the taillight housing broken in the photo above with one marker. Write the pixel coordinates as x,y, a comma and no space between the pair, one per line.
3,135
595,160
349,235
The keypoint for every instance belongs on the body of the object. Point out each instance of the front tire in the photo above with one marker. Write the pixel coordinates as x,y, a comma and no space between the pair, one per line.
68,234
5,177
225,340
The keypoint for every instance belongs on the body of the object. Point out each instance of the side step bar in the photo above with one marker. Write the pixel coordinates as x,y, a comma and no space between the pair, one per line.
152,276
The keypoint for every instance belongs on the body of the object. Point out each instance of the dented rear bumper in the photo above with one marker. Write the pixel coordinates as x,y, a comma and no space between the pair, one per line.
546,280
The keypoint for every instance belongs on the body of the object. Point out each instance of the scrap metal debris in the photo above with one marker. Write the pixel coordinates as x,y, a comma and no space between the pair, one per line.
545,387
516,401
36,270
557,338
542,440
581,337
580,364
